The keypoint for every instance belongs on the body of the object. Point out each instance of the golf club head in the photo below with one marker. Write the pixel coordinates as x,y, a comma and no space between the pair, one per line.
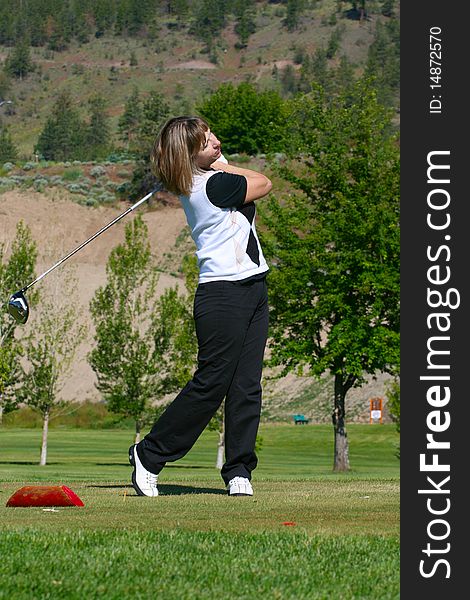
18,307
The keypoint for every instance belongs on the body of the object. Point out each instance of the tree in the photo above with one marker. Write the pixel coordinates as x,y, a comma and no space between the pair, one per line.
383,61
130,121
393,397
8,150
245,14
5,84
14,274
97,134
19,63
63,134
334,247
125,358
155,112
209,20
246,120
50,350
293,12
175,339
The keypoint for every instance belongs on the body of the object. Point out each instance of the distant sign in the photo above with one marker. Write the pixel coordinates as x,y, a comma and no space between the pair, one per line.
376,410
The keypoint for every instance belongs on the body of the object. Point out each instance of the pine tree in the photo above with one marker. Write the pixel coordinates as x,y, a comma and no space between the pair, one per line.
8,150
210,19
131,120
293,13
156,110
5,84
19,63
245,14
63,135
98,131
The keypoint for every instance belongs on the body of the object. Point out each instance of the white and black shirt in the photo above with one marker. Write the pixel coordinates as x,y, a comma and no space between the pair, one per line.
223,228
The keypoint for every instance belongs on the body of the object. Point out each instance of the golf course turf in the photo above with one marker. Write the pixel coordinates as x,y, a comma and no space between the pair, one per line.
308,532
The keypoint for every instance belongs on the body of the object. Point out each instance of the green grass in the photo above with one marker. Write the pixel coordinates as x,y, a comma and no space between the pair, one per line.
180,565
193,541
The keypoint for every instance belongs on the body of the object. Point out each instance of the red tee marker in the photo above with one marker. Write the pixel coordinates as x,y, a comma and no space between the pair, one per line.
44,495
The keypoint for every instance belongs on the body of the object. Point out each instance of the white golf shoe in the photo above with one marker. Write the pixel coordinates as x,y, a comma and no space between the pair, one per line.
144,482
239,486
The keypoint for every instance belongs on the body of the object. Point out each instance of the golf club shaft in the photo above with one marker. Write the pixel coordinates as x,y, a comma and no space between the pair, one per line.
103,229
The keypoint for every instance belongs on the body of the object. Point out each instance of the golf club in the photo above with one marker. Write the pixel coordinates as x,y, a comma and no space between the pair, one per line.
18,305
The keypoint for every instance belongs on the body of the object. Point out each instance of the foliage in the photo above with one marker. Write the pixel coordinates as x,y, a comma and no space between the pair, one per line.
125,358
155,112
50,350
209,20
19,63
5,84
175,339
334,246
393,397
245,119
97,132
130,120
11,373
8,150
294,11
66,136
63,135
383,62
14,273
245,15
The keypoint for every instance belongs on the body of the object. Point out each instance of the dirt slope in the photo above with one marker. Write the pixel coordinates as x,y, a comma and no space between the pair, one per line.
58,225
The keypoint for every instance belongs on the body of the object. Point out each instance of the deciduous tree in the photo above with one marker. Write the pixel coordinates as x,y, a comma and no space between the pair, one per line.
50,350
17,266
125,357
246,120
334,247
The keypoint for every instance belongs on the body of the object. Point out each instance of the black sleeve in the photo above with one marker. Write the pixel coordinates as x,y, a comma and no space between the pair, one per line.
226,190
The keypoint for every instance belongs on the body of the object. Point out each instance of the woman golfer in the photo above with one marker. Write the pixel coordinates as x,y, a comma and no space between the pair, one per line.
230,307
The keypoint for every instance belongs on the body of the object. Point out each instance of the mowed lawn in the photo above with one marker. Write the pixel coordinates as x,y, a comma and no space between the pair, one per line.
306,533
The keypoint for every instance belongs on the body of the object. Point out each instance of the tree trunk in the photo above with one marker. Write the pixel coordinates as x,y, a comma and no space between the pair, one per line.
45,431
220,450
1,414
341,458
138,427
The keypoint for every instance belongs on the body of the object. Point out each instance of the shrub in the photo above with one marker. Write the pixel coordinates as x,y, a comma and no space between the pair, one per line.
97,171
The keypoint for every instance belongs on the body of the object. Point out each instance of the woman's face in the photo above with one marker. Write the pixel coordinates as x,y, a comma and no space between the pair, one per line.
210,151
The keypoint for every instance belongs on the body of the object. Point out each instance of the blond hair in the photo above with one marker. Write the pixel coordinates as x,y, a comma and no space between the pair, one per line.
175,150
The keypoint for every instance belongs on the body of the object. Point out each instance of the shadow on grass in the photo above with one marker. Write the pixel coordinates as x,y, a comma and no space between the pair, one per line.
126,464
26,462
167,489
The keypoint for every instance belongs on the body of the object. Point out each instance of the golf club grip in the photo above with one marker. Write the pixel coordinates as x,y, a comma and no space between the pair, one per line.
83,244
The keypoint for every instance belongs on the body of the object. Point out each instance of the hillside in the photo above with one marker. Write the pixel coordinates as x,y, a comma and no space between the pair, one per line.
177,65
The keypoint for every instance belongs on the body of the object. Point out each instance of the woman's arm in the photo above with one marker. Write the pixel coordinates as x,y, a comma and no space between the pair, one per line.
258,185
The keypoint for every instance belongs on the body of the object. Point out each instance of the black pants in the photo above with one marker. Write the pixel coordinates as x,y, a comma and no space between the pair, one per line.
232,327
